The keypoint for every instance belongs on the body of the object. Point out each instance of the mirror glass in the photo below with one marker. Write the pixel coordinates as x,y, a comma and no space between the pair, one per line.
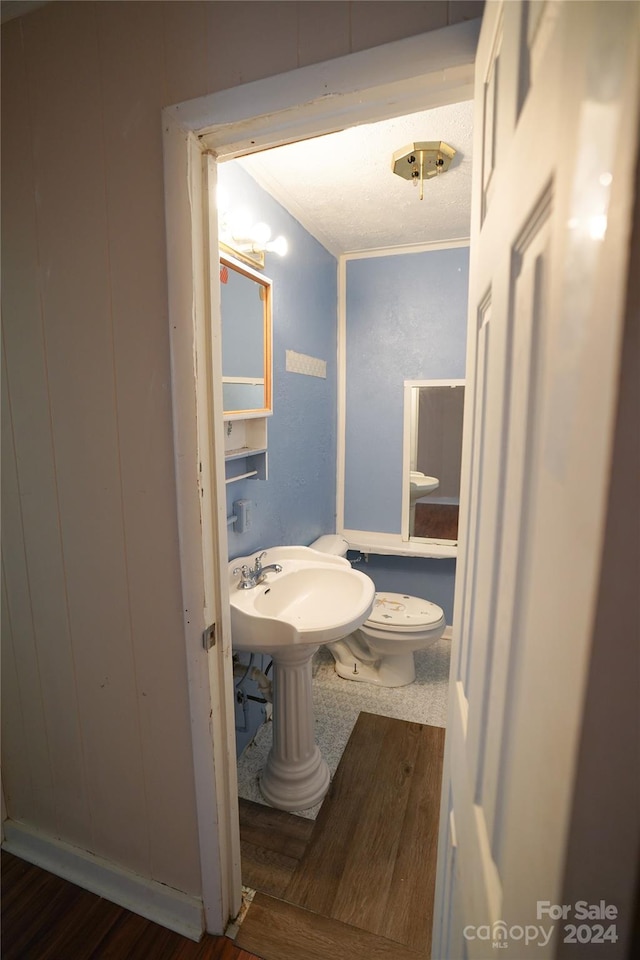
246,339
432,466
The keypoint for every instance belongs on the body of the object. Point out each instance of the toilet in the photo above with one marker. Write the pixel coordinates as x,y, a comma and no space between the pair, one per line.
381,650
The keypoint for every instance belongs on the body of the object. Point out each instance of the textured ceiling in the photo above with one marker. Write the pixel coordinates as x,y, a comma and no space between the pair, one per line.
341,187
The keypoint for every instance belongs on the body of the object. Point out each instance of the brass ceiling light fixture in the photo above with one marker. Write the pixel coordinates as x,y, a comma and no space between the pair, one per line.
421,161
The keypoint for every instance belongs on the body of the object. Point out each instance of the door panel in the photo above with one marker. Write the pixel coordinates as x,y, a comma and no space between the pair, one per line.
529,268
556,139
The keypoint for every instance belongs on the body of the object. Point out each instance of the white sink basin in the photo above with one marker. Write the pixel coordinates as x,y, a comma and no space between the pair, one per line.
316,598
420,485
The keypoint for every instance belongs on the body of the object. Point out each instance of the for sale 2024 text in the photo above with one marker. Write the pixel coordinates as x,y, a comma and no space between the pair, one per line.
591,922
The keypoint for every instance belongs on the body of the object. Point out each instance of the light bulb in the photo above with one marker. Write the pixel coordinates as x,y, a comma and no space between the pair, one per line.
240,222
260,233
279,246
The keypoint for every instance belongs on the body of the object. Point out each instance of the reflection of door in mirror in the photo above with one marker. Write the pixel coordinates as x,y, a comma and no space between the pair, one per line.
436,456
246,339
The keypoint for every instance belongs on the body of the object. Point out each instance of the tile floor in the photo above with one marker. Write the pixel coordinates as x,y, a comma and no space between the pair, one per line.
338,702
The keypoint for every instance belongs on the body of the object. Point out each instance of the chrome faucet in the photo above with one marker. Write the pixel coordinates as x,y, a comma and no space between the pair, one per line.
250,578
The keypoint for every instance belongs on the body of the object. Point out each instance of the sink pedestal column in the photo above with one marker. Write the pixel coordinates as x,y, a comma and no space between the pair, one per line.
295,776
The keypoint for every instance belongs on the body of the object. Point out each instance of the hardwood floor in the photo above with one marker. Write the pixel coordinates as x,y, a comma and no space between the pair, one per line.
272,843
46,918
437,520
362,883
283,931
357,883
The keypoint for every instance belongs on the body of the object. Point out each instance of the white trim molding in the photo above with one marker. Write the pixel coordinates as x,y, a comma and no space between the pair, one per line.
427,247
209,672
155,901
392,545
427,70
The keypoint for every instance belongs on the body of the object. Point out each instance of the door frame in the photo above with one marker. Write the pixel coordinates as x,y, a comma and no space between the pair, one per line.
418,73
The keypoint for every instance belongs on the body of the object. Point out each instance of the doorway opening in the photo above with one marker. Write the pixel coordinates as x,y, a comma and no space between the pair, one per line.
343,205
391,81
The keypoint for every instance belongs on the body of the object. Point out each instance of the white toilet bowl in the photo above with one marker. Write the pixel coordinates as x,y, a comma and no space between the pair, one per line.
381,650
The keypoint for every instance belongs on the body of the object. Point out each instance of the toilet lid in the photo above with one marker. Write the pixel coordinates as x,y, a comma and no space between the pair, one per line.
401,612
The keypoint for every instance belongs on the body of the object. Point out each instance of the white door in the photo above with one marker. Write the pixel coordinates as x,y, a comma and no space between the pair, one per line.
556,106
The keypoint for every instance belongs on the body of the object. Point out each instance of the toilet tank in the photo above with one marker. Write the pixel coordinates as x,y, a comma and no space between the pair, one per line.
331,543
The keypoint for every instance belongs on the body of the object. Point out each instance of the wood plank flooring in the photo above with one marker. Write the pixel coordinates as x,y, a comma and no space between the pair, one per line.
358,883
272,844
367,870
47,918
436,520
283,931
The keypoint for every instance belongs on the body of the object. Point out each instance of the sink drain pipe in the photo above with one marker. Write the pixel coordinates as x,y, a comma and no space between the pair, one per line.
265,685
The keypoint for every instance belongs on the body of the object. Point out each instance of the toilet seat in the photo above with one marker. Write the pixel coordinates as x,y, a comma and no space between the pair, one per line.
401,613
381,650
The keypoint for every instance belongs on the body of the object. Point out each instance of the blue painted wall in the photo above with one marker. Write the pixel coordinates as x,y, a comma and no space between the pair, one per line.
406,320
297,503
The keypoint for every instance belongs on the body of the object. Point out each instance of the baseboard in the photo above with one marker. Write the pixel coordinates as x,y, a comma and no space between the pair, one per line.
447,633
156,901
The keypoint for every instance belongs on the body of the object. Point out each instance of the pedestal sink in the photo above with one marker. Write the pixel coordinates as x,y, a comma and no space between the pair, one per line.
419,486
313,599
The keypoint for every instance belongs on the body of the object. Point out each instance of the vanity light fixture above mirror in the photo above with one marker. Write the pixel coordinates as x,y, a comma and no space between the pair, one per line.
244,237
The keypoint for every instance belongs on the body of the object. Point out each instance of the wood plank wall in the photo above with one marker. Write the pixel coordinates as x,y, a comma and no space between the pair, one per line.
95,708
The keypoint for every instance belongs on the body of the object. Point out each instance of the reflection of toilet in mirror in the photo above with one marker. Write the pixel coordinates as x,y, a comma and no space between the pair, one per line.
381,650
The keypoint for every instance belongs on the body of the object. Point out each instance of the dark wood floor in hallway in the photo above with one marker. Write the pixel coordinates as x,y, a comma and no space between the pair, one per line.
360,882
46,918
357,884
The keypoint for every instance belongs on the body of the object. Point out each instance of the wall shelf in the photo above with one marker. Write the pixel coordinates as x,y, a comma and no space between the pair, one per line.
392,544
242,476
245,452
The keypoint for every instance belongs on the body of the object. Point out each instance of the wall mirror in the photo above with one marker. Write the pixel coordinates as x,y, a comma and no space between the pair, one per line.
433,411
245,298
